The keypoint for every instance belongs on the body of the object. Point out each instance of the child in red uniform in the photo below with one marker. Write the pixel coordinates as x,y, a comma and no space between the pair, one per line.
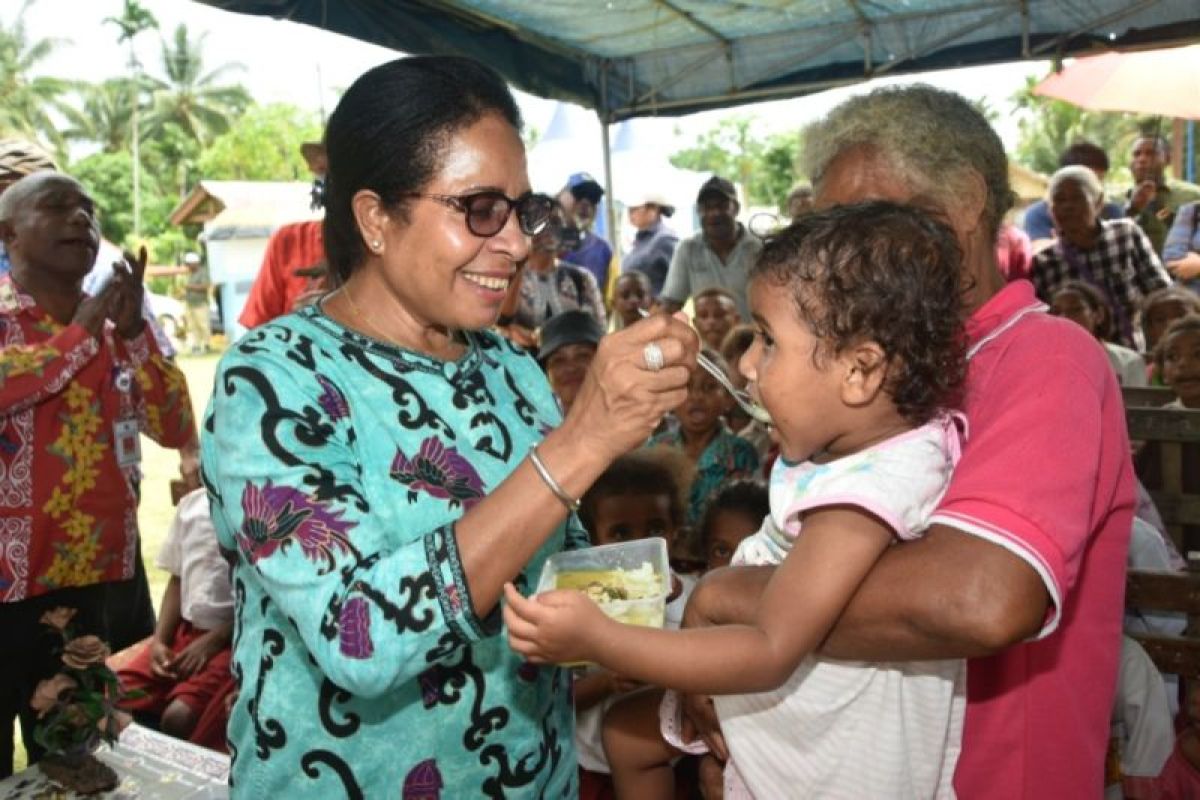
184,670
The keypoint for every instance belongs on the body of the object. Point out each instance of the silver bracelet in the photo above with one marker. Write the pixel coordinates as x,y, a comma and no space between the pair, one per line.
566,499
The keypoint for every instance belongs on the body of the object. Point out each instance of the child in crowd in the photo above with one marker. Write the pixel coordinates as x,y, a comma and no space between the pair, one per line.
757,433
1177,358
734,513
637,497
706,440
716,313
860,351
1160,308
184,670
1180,776
1085,305
631,728
632,297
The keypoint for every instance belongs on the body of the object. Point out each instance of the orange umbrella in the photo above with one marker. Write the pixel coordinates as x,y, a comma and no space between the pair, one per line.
1164,83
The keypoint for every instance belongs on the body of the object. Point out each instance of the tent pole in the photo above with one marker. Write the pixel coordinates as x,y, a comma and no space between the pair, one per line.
609,208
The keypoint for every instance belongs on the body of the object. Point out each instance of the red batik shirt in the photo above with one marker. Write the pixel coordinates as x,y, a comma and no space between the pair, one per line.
68,512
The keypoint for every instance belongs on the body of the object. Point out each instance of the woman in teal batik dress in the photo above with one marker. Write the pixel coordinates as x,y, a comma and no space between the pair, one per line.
370,462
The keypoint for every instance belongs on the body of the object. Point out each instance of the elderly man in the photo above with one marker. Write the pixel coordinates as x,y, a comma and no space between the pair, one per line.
80,378
1114,256
654,243
719,255
19,158
1153,200
1022,569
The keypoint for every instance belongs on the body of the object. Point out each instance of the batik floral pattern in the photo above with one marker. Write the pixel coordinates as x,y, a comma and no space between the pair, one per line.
274,517
354,629
439,471
332,402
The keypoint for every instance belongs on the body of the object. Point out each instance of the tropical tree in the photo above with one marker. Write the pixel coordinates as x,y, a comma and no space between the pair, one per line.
764,166
29,102
105,116
134,20
1049,126
262,145
189,96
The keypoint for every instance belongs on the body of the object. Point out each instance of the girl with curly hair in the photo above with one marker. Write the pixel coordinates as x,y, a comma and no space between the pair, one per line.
858,356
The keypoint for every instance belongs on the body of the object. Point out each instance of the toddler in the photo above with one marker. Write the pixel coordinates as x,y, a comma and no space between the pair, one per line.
637,497
706,440
1084,305
716,313
859,352
184,670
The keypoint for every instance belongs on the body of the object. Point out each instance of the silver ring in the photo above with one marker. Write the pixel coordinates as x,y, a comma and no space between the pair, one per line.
652,354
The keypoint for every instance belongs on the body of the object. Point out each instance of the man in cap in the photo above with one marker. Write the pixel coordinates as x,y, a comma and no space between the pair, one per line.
581,200
196,300
569,342
654,243
719,255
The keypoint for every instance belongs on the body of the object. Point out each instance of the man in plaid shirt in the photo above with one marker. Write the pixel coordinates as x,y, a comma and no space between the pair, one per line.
1115,256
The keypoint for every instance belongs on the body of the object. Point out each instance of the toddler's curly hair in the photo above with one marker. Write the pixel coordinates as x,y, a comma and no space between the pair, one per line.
886,273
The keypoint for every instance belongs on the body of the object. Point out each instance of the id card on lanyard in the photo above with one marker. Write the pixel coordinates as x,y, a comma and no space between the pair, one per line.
127,441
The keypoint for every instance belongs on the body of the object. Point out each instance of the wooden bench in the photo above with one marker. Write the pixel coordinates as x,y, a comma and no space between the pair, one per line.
1146,396
1168,591
1168,464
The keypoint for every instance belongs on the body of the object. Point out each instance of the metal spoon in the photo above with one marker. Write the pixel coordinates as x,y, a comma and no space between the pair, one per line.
742,397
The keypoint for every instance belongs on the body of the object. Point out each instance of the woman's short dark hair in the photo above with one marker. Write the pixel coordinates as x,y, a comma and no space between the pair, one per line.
885,273
388,134
1095,301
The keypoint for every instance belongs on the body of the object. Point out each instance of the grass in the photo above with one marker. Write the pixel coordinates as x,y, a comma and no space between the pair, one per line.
159,467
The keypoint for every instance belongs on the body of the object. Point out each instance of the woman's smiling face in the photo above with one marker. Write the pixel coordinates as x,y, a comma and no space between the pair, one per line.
441,274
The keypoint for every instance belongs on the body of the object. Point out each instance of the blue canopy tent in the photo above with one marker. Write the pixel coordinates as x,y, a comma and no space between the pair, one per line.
628,58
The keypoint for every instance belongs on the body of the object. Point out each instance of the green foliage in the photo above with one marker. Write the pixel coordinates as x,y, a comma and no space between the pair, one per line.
133,20
190,97
1049,126
28,101
263,145
765,166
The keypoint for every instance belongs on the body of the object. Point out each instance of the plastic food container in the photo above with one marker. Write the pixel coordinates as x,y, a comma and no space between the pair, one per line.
630,581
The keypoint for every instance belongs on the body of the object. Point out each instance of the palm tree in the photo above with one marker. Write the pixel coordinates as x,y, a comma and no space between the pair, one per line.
29,101
106,114
134,19
192,98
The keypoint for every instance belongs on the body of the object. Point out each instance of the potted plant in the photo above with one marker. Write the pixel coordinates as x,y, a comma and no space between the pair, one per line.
78,708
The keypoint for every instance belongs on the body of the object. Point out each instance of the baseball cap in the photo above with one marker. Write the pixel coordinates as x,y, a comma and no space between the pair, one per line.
569,327
650,196
718,186
583,185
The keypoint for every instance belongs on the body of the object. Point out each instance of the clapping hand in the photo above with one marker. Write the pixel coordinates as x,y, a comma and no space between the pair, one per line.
125,300
555,627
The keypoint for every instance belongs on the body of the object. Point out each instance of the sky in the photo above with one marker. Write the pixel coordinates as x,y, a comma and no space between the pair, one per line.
294,63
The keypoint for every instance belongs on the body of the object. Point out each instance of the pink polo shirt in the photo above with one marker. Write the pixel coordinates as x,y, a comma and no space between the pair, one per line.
1046,474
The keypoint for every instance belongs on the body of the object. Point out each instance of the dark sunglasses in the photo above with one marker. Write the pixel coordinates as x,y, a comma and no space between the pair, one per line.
487,212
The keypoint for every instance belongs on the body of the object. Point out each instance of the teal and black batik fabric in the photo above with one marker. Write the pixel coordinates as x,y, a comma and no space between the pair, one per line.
337,466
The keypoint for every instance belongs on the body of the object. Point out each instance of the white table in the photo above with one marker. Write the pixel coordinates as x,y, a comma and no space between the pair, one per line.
151,766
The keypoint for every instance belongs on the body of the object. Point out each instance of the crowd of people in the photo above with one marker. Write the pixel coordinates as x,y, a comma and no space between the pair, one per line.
908,584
